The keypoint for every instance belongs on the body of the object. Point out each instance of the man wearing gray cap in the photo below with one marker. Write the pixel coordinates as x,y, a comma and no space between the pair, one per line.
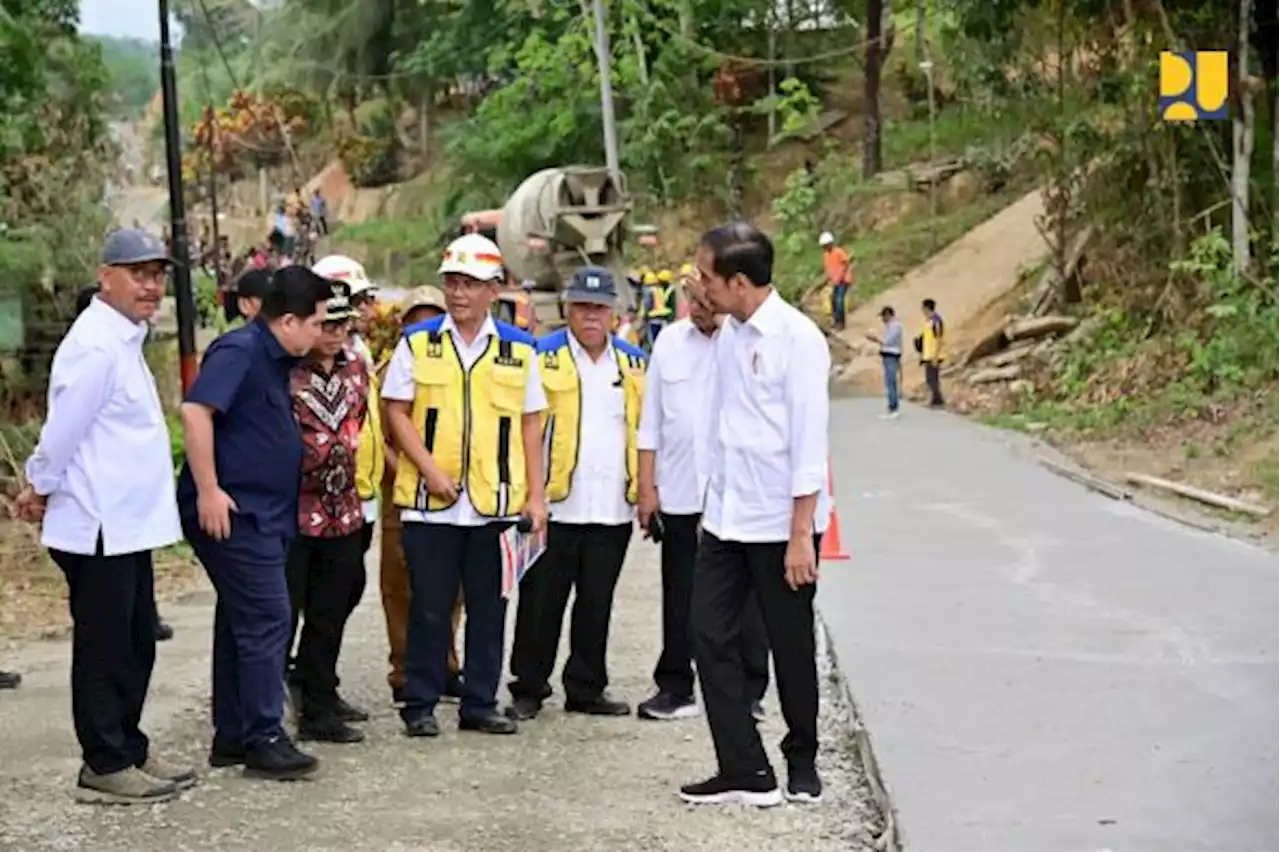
594,383
101,480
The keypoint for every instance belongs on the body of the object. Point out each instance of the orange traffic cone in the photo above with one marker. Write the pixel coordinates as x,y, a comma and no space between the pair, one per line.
832,550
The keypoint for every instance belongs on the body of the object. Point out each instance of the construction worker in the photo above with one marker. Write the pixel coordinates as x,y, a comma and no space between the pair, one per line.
479,388
929,345
838,269
662,299
595,384
420,305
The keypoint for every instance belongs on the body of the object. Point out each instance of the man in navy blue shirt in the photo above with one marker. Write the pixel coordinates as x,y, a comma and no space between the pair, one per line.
238,498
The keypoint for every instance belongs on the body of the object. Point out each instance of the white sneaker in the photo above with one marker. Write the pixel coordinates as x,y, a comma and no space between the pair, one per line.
892,415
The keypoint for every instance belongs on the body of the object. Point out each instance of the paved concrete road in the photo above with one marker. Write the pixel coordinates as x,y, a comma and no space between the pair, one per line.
1042,669
563,784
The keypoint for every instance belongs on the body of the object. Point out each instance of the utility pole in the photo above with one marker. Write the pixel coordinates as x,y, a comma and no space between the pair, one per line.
177,212
927,68
213,197
604,61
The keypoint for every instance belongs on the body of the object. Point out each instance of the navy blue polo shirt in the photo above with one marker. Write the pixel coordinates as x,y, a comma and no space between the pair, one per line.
257,447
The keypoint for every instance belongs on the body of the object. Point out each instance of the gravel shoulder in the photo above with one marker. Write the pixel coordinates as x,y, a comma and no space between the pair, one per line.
563,783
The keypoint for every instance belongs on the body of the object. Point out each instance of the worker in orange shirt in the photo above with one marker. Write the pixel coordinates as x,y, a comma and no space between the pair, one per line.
839,272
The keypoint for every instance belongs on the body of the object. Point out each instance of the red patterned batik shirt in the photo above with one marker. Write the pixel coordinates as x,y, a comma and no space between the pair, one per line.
330,408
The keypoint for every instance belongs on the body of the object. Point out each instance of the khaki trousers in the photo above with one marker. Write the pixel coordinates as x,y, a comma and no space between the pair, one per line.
396,595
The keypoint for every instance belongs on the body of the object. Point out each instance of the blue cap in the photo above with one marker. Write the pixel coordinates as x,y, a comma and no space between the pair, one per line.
592,285
130,246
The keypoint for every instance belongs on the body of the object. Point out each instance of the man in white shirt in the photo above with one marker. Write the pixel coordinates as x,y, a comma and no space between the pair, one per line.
672,440
765,511
101,479
595,384
463,405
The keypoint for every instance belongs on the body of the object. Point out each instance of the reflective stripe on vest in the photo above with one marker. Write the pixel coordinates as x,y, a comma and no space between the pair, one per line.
469,421
562,422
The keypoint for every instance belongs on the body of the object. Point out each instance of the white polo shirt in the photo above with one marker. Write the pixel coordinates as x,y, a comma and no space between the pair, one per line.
769,409
598,492
399,385
104,457
675,421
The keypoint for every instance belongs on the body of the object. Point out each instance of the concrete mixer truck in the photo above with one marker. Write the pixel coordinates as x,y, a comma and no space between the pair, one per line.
556,221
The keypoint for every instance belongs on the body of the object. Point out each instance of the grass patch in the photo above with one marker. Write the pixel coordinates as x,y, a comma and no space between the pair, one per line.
957,129
400,251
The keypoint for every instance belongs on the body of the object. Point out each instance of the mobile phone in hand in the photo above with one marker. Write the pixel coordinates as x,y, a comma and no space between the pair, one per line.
656,528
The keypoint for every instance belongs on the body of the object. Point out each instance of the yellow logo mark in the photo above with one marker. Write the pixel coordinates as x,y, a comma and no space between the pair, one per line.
1194,85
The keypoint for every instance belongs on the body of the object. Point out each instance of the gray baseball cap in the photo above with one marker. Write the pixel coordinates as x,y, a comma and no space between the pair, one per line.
592,285
128,246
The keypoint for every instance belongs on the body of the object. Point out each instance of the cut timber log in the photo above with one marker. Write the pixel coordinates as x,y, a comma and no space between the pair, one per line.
995,374
1208,498
1086,479
1050,286
1013,355
1034,327
988,345
933,174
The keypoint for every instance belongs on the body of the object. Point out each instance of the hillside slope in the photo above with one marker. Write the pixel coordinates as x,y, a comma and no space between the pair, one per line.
964,278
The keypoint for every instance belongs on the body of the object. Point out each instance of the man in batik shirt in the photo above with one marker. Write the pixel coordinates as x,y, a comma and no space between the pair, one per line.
325,565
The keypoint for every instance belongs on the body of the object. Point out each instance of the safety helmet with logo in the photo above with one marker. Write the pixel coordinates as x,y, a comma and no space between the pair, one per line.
339,267
826,239
475,256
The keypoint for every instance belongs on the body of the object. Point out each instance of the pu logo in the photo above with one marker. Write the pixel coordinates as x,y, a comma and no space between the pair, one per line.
1194,85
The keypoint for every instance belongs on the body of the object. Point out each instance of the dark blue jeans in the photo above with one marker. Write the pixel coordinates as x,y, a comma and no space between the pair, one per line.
892,378
839,293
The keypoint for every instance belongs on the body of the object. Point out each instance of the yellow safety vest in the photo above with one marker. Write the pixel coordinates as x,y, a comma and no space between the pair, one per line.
562,421
663,295
371,457
469,420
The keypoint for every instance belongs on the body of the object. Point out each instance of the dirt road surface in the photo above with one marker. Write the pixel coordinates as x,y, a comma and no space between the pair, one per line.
563,784
963,278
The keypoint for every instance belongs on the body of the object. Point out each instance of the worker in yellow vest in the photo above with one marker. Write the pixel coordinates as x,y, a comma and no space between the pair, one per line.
375,471
662,299
464,403
595,385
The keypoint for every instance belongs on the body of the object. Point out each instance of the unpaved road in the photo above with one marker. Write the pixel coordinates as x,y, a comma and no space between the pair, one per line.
562,784
964,278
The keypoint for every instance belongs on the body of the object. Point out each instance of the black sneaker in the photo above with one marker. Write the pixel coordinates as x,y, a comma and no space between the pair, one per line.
491,723
523,709
350,713
226,754
423,726
759,790
601,705
278,760
666,706
453,687
804,786
163,631
10,680
331,729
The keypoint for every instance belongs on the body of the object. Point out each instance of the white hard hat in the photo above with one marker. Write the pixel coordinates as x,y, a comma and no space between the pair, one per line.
473,255
339,267
826,239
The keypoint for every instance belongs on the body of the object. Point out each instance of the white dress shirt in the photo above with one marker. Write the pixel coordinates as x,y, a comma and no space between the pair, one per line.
768,442
598,492
103,459
675,420
399,385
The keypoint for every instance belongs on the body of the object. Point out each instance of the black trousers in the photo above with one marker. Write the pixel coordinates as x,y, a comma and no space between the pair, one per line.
674,672
442,557
933,378
726,575
325,575
586,560
113,650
